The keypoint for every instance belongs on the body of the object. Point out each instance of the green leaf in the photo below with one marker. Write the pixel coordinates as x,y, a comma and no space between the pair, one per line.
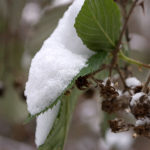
98,24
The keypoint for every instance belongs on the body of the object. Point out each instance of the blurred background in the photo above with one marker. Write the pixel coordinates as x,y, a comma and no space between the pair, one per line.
24,25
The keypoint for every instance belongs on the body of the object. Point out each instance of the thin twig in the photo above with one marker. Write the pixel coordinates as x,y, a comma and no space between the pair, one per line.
146,84
133,61
122,79
115,52
121,76
125,25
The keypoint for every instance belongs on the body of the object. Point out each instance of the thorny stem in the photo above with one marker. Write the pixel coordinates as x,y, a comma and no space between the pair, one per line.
132,61
146,84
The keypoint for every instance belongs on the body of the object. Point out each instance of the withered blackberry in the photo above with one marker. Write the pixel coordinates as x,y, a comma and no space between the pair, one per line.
118,125
82,83
107,91
143,130
140,105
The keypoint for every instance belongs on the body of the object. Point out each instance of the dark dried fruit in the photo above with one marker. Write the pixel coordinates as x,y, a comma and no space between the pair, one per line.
137,89
142,108
118,125
115,105
107,91
108,106
143,130
82,83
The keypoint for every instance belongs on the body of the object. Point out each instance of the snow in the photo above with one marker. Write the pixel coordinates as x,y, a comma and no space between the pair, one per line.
143,121
44,124
135,98
132,82
61,58
121,140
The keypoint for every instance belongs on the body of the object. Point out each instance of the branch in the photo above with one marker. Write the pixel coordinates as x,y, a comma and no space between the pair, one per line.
115,52
133,61
122,79
125,25
147,83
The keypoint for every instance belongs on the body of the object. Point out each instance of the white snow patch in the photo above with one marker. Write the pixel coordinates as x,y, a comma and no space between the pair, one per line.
121,140
51,72
143,121
135,98
132,82
61,58
44,124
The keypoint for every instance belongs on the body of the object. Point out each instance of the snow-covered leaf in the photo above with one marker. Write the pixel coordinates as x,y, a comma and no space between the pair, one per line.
93,64
62,59
58,134
98,24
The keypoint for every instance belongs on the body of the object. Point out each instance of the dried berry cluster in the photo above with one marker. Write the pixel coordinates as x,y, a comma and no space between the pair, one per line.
130,100
112,100
133,101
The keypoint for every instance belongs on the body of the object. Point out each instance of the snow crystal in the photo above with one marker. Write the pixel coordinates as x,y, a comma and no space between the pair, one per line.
143,121
132,82
136,97
61,58
45,123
